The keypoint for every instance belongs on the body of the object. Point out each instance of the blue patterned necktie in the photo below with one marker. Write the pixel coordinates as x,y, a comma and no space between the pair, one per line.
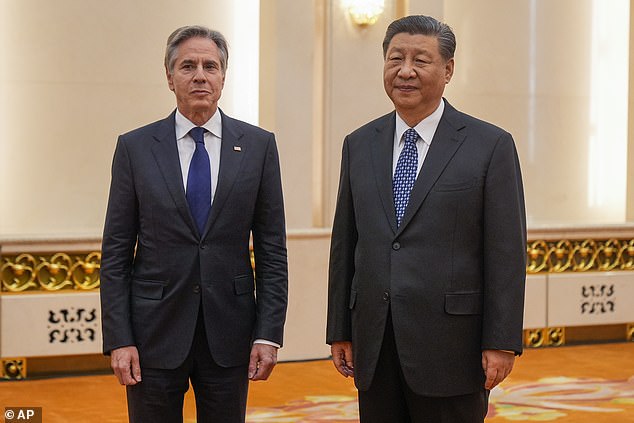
405,174
198,191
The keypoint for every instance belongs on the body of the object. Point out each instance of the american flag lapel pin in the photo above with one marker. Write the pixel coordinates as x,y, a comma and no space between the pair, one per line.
237,148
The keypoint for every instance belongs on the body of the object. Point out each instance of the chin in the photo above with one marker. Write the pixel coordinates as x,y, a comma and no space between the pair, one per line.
411,104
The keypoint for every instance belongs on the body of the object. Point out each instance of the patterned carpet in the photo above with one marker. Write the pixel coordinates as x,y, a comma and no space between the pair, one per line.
568,384
549,399
581,384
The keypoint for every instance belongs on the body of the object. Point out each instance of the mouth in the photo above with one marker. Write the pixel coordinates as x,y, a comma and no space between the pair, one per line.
199,92
406,88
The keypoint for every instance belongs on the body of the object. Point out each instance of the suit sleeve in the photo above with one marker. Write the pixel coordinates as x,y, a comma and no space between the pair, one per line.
118,244
269,247
341,268
504,250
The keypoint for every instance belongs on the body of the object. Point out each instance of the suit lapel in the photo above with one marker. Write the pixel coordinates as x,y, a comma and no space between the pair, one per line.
445,143
166,155
232,151
382,152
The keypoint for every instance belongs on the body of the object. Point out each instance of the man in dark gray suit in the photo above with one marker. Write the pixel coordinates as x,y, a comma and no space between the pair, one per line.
180,300
427,262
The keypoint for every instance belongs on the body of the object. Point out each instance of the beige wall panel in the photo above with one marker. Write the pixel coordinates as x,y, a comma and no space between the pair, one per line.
34,325
59,179
592,298
630,149
426,7
75,74
286,105
305,333
354,86
535,302
544,71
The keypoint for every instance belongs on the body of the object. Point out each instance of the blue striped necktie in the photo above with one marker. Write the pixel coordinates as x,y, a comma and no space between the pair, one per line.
198,191
405,174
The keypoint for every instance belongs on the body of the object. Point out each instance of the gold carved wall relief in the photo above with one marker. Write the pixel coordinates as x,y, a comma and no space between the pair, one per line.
579,255
59,271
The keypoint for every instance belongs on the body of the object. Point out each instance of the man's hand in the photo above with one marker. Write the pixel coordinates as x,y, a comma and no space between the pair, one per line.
342,357
125,363
496,365
263,359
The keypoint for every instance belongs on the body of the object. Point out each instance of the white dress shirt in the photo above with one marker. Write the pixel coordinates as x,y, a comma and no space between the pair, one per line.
425,130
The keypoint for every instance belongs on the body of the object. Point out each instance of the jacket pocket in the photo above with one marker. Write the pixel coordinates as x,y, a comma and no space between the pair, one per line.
353,298
150,289
243,284
463,304
455,186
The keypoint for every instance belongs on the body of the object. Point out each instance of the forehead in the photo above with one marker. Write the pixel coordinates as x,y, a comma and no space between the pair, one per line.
404,41
197,47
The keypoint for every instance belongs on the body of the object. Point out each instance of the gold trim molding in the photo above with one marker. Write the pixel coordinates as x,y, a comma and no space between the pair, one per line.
534,338
579,255
577,335
60,271
545,337
13,368
56,272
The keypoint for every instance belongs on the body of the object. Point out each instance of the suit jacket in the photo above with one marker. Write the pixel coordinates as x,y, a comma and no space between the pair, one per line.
158,271
452,274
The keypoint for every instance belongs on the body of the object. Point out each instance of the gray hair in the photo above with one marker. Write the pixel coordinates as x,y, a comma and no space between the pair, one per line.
424,25
185,33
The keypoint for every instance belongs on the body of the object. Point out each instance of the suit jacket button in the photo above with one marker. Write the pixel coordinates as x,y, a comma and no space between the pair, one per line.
386,296
396,246
196,289
203,246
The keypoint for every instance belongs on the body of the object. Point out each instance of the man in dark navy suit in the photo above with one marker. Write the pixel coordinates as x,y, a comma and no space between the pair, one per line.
427,264
180,300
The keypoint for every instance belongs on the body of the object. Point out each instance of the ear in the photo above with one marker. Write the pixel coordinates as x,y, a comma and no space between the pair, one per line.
170,82
449,70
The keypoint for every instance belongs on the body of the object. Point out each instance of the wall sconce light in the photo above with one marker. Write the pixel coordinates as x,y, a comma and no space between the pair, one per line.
364,12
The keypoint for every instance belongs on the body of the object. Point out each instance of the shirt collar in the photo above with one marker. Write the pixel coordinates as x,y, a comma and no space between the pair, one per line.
184,125
426,128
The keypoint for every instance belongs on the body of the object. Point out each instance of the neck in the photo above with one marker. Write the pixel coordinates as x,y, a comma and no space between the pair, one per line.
410,120
414,116
199,117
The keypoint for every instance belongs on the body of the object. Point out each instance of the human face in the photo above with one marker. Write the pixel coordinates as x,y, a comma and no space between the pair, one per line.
197,79
415,75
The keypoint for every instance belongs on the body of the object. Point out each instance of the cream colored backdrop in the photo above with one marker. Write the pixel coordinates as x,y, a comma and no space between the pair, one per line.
555,74
75,74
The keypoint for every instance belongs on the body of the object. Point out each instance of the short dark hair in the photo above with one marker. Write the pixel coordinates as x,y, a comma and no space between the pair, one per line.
425,25
185,33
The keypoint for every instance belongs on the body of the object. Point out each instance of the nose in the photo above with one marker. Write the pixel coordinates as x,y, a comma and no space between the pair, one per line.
199,75
406,70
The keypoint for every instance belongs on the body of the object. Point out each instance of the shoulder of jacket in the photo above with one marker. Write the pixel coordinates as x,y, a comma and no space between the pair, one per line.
470,122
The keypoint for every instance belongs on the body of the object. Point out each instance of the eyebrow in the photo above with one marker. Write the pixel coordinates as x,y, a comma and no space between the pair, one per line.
416,50
205,62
